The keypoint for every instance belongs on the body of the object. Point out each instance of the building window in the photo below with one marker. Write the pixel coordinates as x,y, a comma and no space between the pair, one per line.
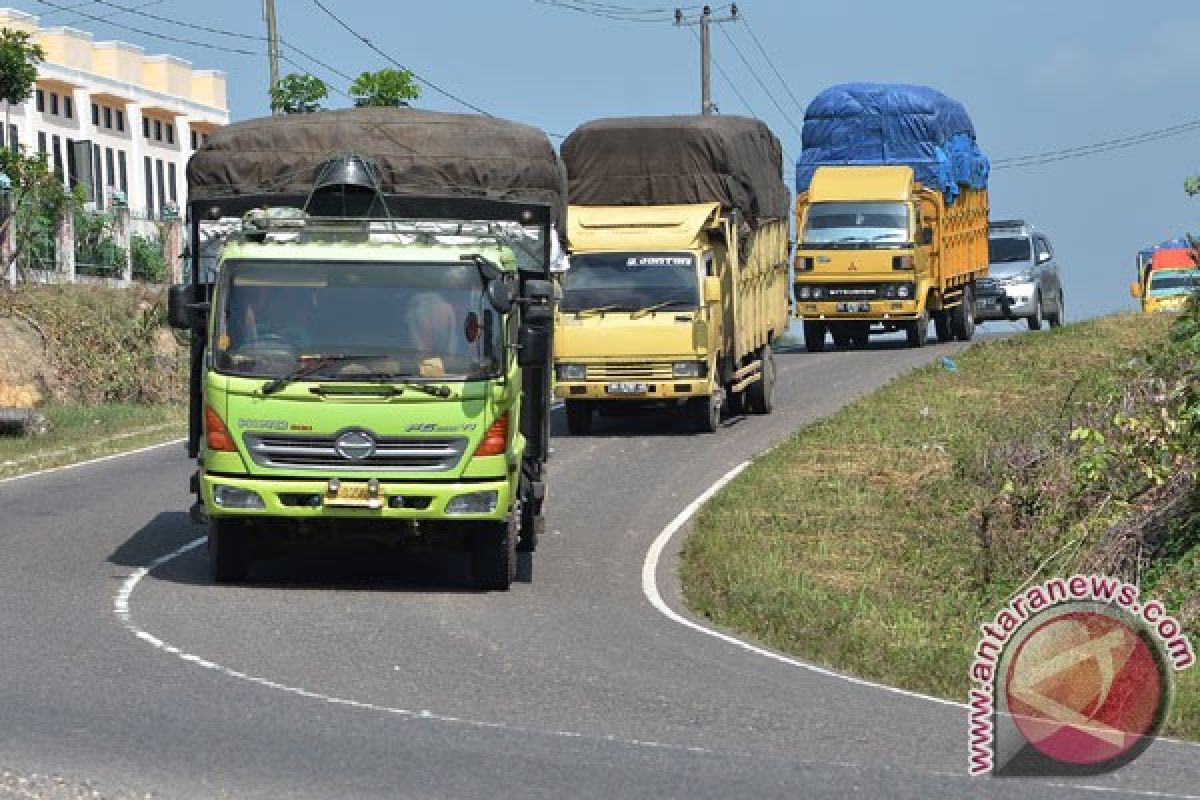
108,117
68,107
110,164
161,181
72,167
158,130
171,182
149,171
124,174
39,99
97,177
54,103
57,156
42,142
95,114
170,133
14,142
146,127
194,141
120,120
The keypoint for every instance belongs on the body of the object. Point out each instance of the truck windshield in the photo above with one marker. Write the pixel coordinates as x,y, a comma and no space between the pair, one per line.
1165,284
371,320
856,225
1008,249
630,281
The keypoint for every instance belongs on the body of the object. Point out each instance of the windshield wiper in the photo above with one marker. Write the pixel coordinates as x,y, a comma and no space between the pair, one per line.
399,377
641,312
313,365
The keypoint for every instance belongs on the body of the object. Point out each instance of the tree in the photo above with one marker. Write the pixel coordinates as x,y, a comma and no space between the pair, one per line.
387,87
1191,185
37,201
19,57
298,93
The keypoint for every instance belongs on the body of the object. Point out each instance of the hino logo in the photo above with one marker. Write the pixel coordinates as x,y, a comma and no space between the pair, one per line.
355,445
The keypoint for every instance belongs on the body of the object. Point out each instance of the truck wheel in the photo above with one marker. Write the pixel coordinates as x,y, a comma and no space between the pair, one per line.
1035,322
229,550
494,554
962,317
941,326
1059,314
841,335
706,413
760,395
814,336
860,335
917,331
579,417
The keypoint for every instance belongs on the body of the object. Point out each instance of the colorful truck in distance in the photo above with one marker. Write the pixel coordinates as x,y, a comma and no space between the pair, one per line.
891,216
1172,277
678,239
371,356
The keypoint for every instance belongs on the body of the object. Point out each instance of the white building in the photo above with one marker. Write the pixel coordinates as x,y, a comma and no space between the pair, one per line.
109,116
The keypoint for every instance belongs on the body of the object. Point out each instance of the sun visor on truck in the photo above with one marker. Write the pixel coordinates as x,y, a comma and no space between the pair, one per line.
677,160
884,124
418,154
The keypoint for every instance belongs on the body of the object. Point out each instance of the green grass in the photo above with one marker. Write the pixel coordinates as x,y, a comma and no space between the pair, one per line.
79,432
856,543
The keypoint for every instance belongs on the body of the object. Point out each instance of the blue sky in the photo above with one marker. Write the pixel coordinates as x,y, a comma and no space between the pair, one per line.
1035,76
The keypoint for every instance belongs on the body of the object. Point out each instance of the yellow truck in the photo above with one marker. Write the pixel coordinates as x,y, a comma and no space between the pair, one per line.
891,215
878,251
678,279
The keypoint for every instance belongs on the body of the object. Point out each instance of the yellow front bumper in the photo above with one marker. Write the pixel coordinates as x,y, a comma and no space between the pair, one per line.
655,390
880,310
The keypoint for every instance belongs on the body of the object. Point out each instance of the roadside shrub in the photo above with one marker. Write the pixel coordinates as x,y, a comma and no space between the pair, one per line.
147,254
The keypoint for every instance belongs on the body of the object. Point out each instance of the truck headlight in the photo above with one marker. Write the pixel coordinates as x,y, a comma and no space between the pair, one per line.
817,293
572,372
687,369
234,497
473,503
904,292
805,292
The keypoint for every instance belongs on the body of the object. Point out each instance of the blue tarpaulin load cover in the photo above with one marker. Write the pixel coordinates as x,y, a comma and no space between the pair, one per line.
893,124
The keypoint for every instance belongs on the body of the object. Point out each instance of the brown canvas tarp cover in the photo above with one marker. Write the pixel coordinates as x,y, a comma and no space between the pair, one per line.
419,153
735,161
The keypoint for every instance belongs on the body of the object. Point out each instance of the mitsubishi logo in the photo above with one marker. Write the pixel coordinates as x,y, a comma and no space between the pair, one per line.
853,267
355,445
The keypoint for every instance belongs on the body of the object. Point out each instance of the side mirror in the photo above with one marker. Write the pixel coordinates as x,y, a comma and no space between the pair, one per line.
925,236
1043,257
499,296
1135,289
533,346
179,297
712,290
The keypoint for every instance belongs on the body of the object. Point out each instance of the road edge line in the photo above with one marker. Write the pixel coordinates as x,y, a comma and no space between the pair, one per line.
97,460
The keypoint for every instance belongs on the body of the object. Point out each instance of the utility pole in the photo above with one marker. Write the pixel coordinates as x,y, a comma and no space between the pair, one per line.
705,19
272,43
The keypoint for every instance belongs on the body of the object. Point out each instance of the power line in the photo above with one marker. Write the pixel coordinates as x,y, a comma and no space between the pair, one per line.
180,23
1109,145
152,34
754,74
763,50
620,13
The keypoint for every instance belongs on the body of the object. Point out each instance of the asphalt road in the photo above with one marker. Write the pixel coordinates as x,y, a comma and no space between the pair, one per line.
361,676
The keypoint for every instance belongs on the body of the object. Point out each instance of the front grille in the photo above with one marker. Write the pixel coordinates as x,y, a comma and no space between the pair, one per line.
629,371
987,285
391,453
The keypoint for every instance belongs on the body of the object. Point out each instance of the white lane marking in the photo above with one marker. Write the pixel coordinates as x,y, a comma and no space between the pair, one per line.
91,461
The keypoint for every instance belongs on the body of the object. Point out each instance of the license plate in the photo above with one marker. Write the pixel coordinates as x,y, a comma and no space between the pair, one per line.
987,302
854,308
628,388
353,495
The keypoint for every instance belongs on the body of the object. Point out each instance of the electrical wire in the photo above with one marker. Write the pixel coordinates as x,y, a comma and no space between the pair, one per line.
620,13
759,80
786,87
152,34
1107,146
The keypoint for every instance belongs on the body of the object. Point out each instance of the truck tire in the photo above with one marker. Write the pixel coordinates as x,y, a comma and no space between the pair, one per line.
917,331
841,335
494,554
814,336
760,395
941,325
962,317
579,417
706,413
860,335
1035,322
229,550
1059,314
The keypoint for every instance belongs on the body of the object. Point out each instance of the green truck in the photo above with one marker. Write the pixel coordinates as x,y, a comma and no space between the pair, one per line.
371,334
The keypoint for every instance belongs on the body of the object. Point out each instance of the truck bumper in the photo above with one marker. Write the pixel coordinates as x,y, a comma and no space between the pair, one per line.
876,311
311,499
1011,303
633,390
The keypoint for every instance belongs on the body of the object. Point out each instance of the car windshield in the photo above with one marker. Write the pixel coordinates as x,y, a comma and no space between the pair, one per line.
630,281
856,224
369,320
1165,284
1008,249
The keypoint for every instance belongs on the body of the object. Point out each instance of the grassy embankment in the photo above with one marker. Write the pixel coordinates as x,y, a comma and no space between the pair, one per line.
101,366
877,540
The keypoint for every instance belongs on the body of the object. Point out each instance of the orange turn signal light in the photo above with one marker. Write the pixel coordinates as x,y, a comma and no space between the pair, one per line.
495,440
216,435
